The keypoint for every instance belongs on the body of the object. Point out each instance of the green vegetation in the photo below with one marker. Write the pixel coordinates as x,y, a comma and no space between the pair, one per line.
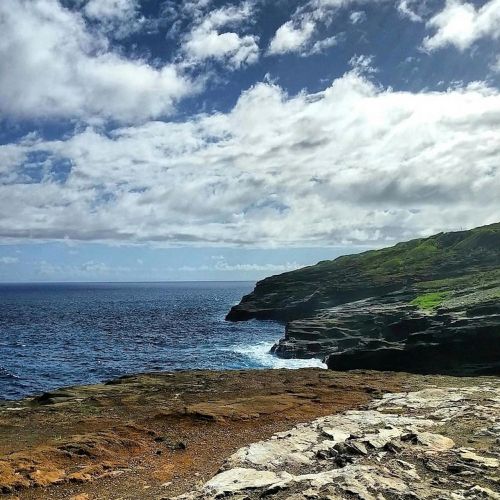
462,291
445,262
488,279
429,301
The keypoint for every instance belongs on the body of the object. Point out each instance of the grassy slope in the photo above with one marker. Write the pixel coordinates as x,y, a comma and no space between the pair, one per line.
445,255
455,293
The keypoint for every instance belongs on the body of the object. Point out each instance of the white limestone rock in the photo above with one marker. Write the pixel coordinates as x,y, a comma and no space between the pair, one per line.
238,479
373,454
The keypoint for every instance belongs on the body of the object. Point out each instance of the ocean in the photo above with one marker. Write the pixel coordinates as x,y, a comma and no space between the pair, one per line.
57,335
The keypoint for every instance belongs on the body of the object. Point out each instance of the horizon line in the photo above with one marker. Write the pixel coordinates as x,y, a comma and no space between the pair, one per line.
118,282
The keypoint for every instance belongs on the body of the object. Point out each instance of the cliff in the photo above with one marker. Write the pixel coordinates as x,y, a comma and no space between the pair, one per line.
430,305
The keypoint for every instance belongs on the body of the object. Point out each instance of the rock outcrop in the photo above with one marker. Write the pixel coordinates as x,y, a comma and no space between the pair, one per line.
425,306
429,444
391,333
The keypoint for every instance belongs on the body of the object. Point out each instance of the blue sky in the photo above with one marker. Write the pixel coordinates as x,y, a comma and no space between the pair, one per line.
209,139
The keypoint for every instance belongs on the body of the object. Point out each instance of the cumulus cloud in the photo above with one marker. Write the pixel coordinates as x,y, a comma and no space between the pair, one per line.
111,9
355,163
290,37
407,8
322,45
208,39
297,34
461,24
118,18
53,65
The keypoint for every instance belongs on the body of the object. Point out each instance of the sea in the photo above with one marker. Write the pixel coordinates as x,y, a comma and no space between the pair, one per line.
58,335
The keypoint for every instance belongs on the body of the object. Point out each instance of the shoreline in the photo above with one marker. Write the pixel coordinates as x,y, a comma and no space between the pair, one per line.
158,435
258,352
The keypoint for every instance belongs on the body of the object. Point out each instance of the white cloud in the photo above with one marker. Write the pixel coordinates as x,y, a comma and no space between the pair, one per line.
297,34
357,17
362,64
93,267
208,40
221,265
461,24
118,18
8,260
53,65
407,9
268,268
226,46
355,163
110,9
291,38
322,45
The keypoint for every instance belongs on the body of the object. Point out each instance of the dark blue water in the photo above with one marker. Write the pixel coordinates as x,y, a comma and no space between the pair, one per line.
54,335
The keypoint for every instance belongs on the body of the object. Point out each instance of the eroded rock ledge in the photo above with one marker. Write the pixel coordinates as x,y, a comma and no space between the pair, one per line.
436,443
158,434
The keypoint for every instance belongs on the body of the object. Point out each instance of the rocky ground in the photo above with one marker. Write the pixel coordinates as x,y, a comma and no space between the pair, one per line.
158,435
297,434
436,443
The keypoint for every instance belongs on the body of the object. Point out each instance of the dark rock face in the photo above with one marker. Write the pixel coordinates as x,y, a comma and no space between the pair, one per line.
426,306
387,334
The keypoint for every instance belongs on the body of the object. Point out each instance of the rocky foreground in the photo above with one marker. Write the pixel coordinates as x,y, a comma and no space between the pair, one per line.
294,434
158,435
427,306
437,443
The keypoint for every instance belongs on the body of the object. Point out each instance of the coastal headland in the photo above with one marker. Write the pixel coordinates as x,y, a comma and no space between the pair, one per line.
430,305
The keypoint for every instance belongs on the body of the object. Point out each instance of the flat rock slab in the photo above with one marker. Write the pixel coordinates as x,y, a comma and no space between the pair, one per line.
435,443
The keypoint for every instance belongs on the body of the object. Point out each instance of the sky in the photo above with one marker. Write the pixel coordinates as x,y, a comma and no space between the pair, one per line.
151,140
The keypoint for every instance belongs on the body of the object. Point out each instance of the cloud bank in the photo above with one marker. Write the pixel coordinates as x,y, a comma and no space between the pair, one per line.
355,163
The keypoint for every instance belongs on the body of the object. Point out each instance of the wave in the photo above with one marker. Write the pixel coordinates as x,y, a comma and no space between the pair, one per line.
260,355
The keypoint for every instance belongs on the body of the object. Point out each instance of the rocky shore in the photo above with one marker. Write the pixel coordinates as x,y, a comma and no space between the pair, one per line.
430,307
279,434
426,306
460,337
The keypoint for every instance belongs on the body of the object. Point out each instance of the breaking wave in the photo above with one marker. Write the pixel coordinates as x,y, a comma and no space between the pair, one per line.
260,355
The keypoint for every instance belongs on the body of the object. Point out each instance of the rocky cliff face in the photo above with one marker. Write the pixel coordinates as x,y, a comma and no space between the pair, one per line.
426,306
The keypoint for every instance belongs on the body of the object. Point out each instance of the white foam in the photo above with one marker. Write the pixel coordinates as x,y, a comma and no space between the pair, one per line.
260,354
